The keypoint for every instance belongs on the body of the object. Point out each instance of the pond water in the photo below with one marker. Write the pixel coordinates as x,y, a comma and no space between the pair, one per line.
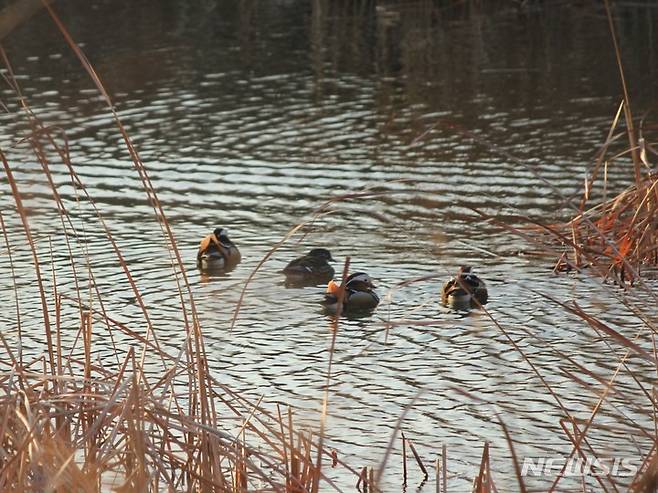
251,114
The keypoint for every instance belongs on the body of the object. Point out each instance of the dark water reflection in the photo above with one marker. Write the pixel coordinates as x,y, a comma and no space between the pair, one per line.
249,114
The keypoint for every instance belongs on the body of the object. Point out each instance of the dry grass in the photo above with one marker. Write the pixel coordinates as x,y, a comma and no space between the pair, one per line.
99,428
620,235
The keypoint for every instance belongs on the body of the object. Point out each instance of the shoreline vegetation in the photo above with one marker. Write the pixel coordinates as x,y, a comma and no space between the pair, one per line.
619,236
71,423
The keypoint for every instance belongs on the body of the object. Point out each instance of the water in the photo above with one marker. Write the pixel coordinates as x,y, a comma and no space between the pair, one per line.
250,115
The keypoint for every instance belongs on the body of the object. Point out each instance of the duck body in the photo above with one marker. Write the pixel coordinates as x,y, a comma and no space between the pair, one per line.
359,295
217,252
312,268
465,290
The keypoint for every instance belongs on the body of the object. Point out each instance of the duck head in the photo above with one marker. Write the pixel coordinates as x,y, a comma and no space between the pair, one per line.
320,253
221,234
465,270
359,281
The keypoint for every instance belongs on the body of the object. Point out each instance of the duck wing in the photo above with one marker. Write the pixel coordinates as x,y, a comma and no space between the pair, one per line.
209,245
309,266
329,299
298,266
204,245
469,284
478,288
361,300
449,288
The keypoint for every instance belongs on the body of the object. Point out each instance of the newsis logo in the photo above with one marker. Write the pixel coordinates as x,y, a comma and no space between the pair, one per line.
577,466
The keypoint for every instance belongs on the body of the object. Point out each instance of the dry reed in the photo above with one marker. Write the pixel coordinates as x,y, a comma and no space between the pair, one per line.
620,235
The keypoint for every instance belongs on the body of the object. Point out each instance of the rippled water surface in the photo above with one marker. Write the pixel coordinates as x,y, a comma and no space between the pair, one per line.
251,114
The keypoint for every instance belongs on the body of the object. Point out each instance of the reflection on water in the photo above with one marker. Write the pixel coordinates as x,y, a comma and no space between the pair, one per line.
250,114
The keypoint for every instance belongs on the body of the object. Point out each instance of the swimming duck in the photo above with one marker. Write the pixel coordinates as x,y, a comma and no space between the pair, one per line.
464,290
359,294
217,251
311,268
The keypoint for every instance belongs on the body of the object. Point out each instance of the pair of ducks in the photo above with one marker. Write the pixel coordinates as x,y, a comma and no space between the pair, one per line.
217,251
314,268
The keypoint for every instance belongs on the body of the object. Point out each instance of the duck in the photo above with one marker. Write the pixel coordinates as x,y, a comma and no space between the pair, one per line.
359,295
312,268
217,251
464,290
